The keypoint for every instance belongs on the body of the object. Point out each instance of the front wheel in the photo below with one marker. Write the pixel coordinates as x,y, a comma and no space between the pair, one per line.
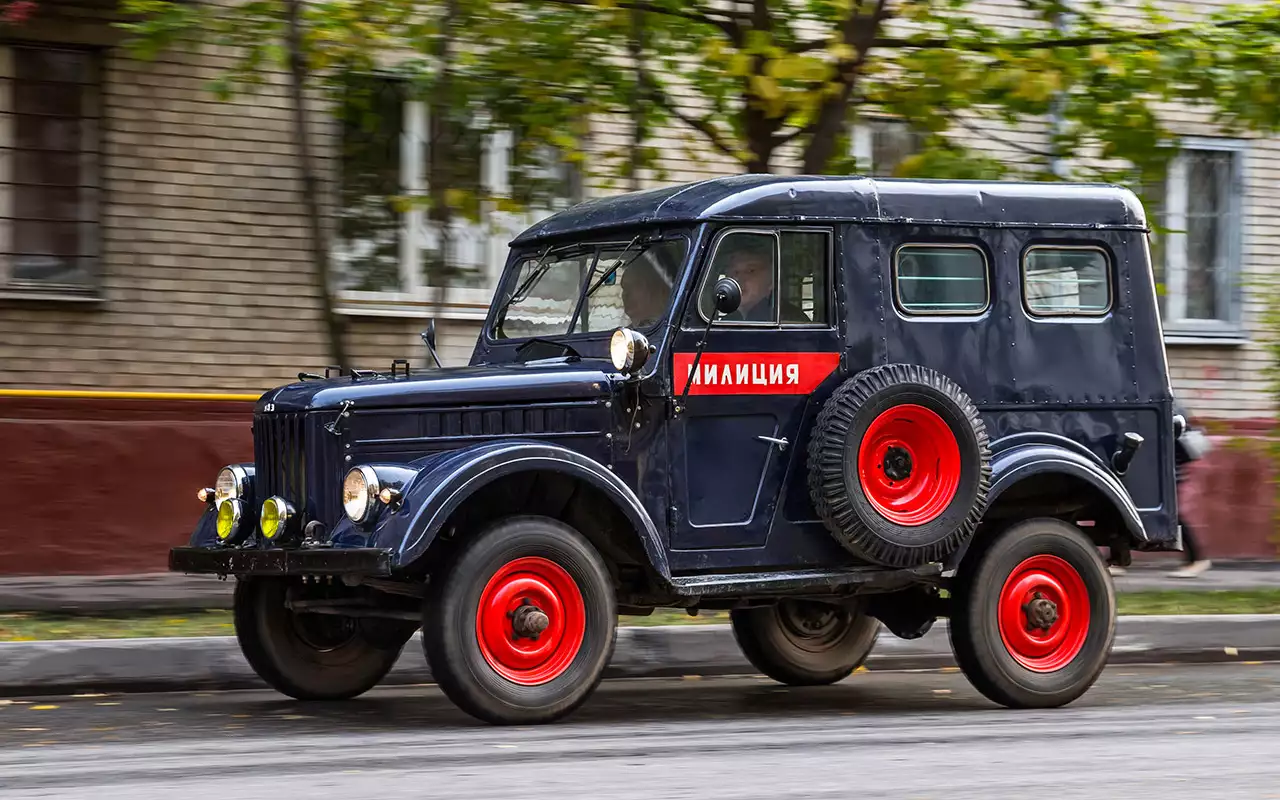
804,643
311,656
519,625
1034,615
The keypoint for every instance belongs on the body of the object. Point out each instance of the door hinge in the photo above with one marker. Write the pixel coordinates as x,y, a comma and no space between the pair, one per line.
672,515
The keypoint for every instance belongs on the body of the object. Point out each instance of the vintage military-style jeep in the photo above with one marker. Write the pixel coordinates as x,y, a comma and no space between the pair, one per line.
823,404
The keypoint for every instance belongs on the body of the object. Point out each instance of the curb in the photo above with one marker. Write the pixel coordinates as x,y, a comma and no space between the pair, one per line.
215,662
87,594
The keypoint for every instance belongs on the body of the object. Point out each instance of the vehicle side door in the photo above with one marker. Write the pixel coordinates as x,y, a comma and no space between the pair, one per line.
733,438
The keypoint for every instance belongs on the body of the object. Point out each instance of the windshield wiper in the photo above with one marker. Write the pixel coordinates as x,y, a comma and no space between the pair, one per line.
526,286
588,291
569,352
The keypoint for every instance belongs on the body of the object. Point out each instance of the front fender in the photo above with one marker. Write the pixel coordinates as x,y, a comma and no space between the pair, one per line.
443,482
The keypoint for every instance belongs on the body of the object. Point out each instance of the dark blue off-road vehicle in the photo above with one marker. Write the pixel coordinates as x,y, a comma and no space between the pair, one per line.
822,404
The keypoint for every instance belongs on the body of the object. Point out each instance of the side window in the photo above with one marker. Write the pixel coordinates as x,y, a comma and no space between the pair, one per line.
784,276
941,280
805,268
1066,281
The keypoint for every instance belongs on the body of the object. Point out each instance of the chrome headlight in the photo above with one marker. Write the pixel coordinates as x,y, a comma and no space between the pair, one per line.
359,491
228,521
276,516
629,350
232,483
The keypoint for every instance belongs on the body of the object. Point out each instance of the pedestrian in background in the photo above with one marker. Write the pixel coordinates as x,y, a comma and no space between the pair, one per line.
1192,445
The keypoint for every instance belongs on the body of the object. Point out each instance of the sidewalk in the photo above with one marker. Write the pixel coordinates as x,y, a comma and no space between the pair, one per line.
167,590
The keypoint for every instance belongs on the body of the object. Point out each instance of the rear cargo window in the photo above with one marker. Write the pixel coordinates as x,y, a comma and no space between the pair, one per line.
1066,281
941,280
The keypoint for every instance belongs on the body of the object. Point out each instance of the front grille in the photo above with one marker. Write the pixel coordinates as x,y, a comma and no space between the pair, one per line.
296,459
280,457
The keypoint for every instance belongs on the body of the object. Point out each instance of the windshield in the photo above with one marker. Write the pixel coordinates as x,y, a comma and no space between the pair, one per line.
590,287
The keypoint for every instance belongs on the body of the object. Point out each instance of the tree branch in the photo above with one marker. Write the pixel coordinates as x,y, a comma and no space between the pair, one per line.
728,23
1031,151
702,125
1047,44
833,111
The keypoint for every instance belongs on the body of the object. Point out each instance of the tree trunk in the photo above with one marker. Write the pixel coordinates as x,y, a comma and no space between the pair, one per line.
635,45
311,184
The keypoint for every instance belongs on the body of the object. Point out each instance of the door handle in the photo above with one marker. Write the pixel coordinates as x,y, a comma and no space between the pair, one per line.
781,443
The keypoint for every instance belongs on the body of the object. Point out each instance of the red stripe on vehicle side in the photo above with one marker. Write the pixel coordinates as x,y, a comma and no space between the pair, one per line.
755,373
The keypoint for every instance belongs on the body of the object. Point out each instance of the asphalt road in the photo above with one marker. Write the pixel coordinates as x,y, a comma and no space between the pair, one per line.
1143,732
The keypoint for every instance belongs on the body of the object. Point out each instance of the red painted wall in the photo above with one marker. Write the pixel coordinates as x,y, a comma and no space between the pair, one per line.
107,486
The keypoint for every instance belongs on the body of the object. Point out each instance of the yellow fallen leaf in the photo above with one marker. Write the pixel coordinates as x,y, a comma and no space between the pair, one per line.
1231,651
43,708
862,669
176,621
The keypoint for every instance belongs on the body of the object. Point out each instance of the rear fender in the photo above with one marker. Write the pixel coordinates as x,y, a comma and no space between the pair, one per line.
1017,458
433,488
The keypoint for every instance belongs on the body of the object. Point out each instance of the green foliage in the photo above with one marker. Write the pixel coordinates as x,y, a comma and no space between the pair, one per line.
756,80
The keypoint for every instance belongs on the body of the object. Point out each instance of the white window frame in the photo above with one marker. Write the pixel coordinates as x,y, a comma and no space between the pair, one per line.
1178,328
91,145
483,243
862,139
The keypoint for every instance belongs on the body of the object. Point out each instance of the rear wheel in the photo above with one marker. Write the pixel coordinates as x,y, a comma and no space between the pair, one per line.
519,625
804,643
1034,615
311,656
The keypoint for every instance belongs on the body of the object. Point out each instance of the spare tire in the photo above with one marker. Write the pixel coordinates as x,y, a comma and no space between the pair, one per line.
899,465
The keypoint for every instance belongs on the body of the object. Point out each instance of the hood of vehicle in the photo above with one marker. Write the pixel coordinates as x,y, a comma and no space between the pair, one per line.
448,386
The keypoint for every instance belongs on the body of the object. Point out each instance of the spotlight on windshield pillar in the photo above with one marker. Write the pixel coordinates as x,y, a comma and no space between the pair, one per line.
629,350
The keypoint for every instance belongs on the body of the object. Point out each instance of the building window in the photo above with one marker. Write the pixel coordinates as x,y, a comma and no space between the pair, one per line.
941,279
1196,213
1066,281
880,144
49,171
389,242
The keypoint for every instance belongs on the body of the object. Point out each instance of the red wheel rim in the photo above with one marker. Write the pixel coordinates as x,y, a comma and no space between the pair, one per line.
508,621
1044,613
909,465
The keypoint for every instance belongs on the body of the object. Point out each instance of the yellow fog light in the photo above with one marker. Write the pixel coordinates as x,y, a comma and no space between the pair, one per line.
228,523
276,514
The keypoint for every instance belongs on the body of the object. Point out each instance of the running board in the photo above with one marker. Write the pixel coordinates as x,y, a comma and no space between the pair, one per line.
810,581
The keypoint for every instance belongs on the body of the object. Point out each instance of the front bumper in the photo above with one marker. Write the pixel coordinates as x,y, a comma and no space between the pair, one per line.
320,561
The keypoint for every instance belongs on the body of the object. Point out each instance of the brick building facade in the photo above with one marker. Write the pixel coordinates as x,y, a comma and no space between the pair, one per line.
153,240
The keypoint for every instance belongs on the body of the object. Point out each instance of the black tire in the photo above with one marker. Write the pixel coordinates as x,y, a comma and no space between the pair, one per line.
990,663
452,638
307,656
858,408
804,643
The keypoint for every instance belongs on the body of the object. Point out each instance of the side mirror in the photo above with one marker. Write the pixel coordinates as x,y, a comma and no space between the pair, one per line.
429,339
728,296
